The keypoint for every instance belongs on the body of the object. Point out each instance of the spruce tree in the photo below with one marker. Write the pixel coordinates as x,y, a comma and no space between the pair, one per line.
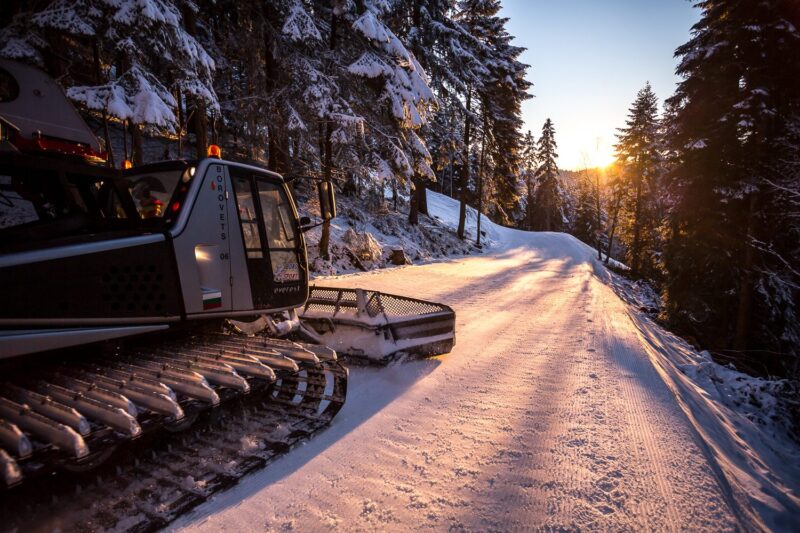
502,96
495,90
639,158
385,71
547,210
616,195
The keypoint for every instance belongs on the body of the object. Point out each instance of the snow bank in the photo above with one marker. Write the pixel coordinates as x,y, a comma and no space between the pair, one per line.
742,422
445,210
364,238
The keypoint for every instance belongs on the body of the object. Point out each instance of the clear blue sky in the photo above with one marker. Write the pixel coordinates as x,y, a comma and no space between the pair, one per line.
588,58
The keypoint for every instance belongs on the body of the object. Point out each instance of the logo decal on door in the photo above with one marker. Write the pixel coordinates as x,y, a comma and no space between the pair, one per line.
286,273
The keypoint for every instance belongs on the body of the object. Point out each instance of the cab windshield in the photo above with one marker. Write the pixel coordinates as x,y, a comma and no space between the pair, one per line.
42,199
152,191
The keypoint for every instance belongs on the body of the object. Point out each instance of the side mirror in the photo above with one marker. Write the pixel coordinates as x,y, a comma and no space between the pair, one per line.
327,200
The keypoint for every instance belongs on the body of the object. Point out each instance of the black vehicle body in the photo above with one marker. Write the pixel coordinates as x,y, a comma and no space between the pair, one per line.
225,243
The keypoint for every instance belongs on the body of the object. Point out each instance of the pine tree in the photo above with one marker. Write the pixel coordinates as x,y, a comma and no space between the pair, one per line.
522,177
502,96
472,16
386,71
426,25
494,91
638,155
731,258
547,214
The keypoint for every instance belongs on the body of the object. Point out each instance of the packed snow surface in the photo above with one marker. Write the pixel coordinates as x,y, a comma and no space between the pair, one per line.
560,408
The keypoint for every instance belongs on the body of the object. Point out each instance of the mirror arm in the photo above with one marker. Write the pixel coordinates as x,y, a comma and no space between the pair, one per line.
304,229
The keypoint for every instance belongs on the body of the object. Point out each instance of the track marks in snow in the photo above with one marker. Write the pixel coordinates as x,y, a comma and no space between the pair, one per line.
547,415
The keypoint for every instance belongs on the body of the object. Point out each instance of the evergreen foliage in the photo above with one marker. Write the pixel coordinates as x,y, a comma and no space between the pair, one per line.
141,51
639,161
525,185
731,257
371,93
547,209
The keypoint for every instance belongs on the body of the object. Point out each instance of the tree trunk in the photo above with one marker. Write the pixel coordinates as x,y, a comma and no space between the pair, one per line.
598,215
272,148
418,199
199,120
125,140
743,314
324,241
269,87
200,129
464,178
422,197
321,147
529,209
636,247
547,219
613,229
480,177
98,78
180,123
452,173
413,210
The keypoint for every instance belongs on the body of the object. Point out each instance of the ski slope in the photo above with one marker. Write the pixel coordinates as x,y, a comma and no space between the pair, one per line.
559,408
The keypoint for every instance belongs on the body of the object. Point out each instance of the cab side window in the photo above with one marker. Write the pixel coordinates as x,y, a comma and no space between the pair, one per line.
248,216
278,218
282,238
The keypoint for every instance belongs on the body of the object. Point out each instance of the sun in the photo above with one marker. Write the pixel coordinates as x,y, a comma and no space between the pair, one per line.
600,154
605,160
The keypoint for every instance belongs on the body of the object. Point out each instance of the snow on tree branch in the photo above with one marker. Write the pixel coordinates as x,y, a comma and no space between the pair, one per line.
299,26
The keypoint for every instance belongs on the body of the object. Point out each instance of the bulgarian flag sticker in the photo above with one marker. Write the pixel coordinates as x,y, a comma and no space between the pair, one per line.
212,299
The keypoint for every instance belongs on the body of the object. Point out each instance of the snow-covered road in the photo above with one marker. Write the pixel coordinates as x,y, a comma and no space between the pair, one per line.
547,414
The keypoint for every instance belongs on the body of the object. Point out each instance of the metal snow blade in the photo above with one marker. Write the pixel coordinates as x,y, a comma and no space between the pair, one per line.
376,325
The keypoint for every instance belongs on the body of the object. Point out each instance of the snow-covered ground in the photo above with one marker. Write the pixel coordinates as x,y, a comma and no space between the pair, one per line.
371,235
561,407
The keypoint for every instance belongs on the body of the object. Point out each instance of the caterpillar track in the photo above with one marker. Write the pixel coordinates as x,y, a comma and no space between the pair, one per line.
133,440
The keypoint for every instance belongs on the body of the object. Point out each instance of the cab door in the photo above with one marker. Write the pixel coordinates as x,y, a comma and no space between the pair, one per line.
202,248
273,247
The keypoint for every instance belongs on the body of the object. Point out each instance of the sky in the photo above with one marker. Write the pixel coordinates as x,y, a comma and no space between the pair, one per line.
588,59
